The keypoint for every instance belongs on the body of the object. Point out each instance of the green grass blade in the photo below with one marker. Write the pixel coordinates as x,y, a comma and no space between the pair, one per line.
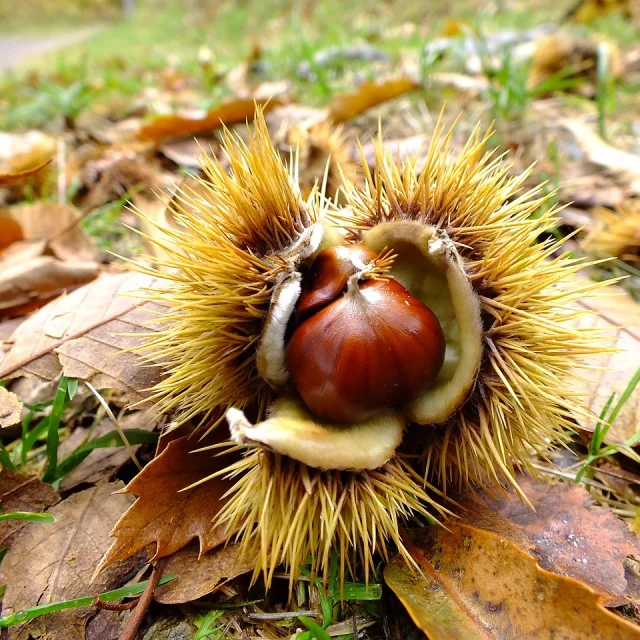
111,439
626,394
5,458
20,617
316,630
34,435
29,516
206,626
53,439
353,591
602,427
72,387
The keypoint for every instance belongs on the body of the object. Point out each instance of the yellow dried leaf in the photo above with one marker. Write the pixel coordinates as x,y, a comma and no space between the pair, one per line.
345,106
226,113
476,585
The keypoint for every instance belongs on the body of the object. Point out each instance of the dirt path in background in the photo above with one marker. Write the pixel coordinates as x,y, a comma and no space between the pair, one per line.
15,50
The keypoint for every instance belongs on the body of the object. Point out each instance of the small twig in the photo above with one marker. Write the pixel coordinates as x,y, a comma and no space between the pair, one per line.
281,615
130,630
114,606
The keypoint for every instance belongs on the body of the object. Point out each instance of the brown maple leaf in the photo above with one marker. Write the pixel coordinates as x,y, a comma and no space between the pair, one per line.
164,516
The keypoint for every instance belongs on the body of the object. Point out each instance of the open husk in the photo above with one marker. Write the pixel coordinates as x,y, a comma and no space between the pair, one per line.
467,244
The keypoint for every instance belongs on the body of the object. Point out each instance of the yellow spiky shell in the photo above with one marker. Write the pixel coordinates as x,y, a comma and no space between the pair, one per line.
323,148
571,56
230,246
237,244
615,234
526,291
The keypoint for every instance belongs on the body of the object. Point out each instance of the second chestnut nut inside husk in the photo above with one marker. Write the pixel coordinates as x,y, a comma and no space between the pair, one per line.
361,342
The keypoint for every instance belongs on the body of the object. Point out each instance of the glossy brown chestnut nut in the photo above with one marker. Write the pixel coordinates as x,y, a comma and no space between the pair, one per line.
362,346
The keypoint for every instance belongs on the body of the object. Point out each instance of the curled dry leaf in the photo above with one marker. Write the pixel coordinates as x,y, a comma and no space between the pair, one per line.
226,113
49,254
345,106
14,178
23,155
477,585
166,514
10,408
56,223
601,153
83,334
618,315
24,281
52,562
187,152
19,492
199,574
567,533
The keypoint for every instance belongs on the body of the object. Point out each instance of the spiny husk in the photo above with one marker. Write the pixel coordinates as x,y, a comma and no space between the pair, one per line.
287,512
520,403
324,148
615,234
230,256
237,233
560,56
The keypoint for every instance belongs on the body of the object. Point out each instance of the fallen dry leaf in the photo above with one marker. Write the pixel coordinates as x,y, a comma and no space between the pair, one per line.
10,408
23,155
603,154
58,224
401,149
345,106
187,152
25,278
81,335
52,562
7,179
460,82
284,118
10,229
568,534
619,315
121,172
477,585
49,254
226,113
164,516
592,190
198,574
102,463
19,492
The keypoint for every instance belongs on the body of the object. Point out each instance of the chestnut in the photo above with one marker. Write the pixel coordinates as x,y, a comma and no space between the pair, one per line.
361,345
